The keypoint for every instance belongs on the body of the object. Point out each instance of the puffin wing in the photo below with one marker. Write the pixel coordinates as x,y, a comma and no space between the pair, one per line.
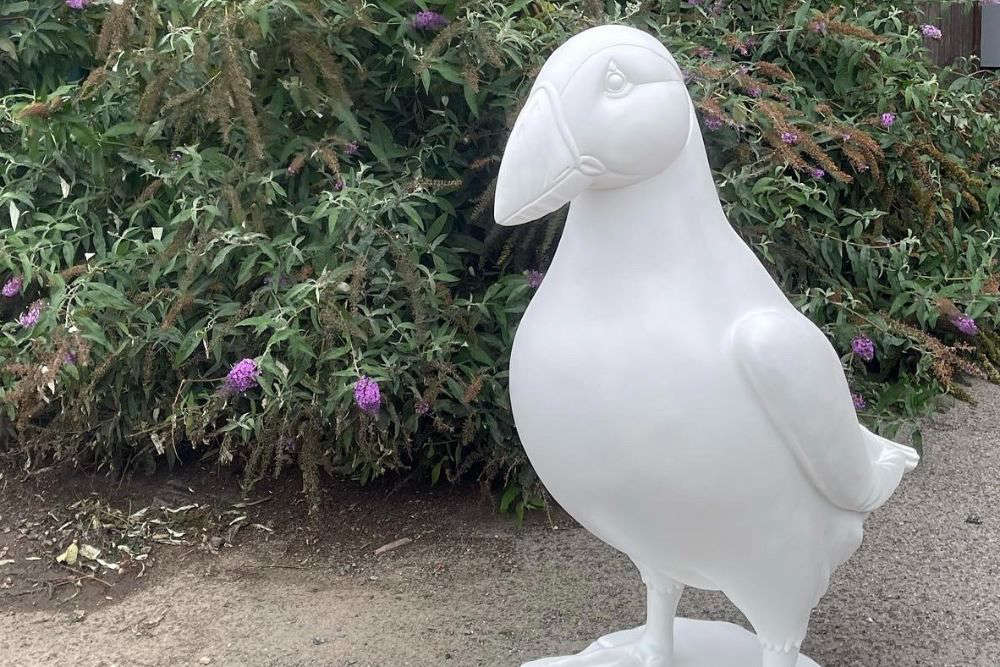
798,380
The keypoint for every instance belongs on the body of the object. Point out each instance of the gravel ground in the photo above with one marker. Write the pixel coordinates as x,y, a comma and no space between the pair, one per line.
475,589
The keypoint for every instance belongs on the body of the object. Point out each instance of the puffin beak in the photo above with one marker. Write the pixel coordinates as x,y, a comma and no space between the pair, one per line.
542,168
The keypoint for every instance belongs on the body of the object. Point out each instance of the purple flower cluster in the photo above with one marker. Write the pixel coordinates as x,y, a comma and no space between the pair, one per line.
422,407
718,7
242,376
818,26
817,173
535,278
367,395
859,401
428,20
77,4
887,119
864,347
30,317
965,324
12,287
754,91
352,148
790,138
931,31
713,123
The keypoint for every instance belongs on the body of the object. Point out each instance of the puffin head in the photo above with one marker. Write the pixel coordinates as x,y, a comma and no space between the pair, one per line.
609,109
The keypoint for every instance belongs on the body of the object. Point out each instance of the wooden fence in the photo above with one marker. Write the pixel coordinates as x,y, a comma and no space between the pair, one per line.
960,24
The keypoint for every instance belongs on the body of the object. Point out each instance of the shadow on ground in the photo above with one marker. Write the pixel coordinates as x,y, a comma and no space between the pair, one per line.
471,588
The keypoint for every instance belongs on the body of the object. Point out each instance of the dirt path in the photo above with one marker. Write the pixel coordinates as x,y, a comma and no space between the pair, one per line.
474,589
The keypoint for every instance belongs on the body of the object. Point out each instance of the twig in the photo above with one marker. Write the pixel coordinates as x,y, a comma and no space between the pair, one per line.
251,503
84,575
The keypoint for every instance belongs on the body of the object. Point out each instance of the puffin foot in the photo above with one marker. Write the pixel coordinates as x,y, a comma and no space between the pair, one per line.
627,648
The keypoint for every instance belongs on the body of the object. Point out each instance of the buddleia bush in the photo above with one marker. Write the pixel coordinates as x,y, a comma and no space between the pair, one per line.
260,233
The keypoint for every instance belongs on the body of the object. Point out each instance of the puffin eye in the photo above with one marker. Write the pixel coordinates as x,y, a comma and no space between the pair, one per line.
615,81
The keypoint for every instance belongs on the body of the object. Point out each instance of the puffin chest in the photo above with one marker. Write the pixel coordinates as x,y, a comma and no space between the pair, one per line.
567,358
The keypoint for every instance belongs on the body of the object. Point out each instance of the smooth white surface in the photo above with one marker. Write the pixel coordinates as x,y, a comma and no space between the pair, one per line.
667,393
989,35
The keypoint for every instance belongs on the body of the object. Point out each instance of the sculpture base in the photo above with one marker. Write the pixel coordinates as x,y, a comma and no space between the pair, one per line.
696,644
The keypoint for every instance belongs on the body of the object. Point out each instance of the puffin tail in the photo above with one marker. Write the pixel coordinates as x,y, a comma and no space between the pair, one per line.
891,461
894,449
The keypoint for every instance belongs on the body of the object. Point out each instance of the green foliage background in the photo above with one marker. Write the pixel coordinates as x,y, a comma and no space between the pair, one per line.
180,189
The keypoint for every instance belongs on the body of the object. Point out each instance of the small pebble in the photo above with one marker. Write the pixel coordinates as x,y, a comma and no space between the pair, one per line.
205,660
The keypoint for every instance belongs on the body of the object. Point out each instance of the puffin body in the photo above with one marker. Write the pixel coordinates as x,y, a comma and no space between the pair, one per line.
667,393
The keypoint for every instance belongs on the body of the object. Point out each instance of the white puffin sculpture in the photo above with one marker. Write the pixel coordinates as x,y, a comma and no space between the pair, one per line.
666,391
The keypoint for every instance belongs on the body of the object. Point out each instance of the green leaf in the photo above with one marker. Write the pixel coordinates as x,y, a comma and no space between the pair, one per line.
413,215
120,129
380,142
448,72
189,344
7,46
508,497
264,21
437,227
9,8
470,99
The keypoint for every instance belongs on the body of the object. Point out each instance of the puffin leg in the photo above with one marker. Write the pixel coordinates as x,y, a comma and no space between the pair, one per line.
662,596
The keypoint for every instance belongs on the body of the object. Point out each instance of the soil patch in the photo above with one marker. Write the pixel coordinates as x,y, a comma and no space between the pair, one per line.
461,585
